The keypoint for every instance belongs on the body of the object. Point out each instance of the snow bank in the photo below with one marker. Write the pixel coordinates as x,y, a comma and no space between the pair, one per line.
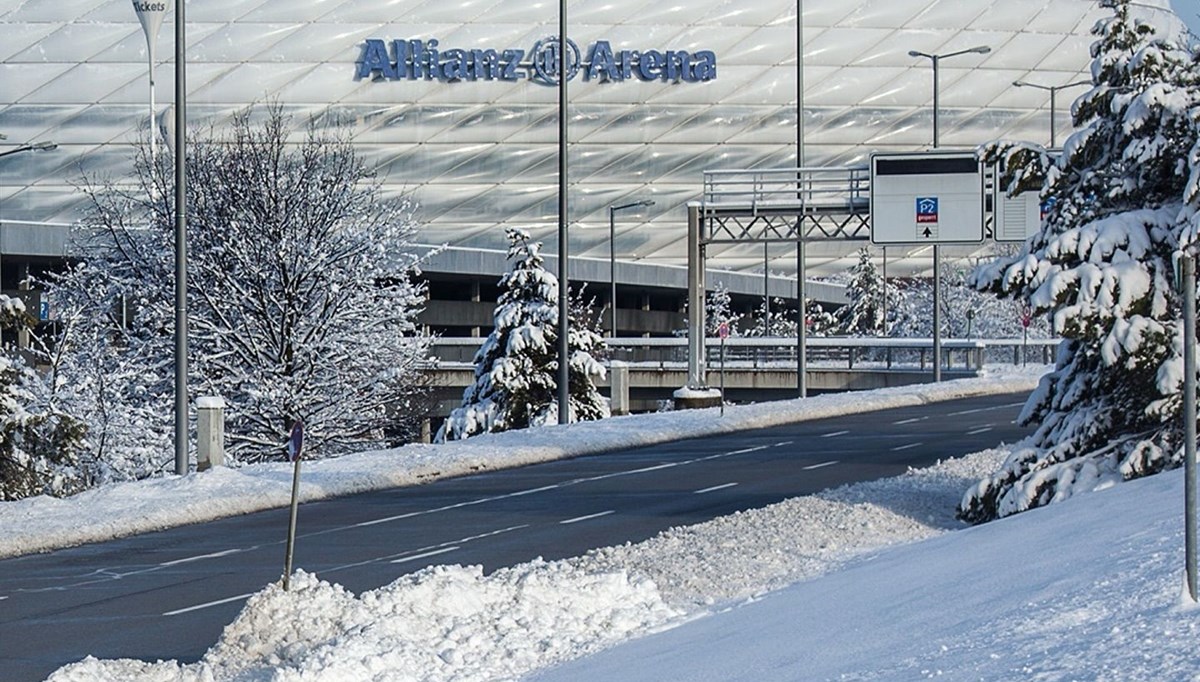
452,623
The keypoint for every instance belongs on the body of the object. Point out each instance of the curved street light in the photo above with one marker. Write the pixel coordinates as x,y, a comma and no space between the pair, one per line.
936,59
1053,90
612,254
31,147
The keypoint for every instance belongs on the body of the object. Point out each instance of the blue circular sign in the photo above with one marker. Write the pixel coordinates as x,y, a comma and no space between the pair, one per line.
547,66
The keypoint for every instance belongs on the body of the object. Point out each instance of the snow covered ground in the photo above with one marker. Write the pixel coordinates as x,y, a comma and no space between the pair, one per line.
806,589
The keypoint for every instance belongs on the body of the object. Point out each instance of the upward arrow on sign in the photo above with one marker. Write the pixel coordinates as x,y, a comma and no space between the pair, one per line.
927,234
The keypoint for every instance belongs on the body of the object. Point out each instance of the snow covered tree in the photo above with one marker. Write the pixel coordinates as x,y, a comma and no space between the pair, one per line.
41,447
719,309
863,313
301,298
774,321
1102,266
516,368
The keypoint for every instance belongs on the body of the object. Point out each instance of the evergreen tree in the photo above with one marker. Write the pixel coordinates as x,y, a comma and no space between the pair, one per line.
302,299
1102,267
516,368
863,313
42,449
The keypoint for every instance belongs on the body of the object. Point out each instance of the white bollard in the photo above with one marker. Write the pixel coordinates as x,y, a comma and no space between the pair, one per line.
210,432
618,382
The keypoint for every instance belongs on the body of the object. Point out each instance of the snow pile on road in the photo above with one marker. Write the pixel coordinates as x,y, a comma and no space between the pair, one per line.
452,623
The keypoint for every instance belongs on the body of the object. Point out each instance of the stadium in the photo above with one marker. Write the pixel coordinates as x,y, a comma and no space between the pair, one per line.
456,106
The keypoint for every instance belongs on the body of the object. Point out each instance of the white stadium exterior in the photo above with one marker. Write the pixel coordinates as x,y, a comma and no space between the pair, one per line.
449,100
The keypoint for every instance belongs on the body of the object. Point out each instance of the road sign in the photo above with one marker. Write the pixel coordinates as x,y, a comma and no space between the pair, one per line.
723,330
926,198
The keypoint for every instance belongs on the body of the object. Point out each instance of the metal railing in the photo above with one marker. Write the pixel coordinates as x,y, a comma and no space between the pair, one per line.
838,188
825,351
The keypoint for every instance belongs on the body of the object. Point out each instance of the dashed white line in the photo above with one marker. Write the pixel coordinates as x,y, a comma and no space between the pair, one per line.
977,410
715,488
978,431
907,447
205,605
910,421
834,433
423,555
199,557
822,465
784,443
577,519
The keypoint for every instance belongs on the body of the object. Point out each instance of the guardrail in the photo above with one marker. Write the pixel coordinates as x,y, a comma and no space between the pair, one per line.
822,351
844,188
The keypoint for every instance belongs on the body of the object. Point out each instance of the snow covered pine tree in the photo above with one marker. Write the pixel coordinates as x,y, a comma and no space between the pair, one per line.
863,313
1102,266
516,368
41,448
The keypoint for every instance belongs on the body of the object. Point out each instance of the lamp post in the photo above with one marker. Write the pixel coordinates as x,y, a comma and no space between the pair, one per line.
1053,90
564,348
935,60
612,255
32,147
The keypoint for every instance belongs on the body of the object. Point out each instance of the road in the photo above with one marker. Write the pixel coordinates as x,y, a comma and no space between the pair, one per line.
168,594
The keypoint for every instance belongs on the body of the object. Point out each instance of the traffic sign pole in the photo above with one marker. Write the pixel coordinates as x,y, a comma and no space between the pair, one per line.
295,451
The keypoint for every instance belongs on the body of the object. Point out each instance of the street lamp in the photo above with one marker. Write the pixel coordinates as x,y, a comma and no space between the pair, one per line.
936,59
1053,90
32,147
612,254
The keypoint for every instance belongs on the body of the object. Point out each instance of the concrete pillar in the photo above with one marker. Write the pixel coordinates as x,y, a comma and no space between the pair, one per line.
697,370
210,432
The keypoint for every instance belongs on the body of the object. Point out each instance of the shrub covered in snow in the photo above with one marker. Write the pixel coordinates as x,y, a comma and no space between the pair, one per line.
1118,201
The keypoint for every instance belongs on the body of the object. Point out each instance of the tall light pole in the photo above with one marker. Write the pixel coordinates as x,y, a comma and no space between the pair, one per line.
1053,90
32,147
181,321
612,255
936,59
564,347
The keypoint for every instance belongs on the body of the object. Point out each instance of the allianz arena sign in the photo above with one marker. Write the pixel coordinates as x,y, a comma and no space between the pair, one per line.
399,60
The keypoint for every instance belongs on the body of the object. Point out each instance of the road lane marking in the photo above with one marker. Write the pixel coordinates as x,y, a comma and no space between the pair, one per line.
428,548
810,467
910,421
577,519
907,447
834,433
715,488
564,484
978,431
977,410
423,555
206,605
784,443
200,557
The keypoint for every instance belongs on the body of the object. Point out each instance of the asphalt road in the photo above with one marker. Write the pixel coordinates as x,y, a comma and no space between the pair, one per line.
168,594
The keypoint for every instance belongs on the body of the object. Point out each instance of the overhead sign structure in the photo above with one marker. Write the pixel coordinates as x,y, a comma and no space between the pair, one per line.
926,198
